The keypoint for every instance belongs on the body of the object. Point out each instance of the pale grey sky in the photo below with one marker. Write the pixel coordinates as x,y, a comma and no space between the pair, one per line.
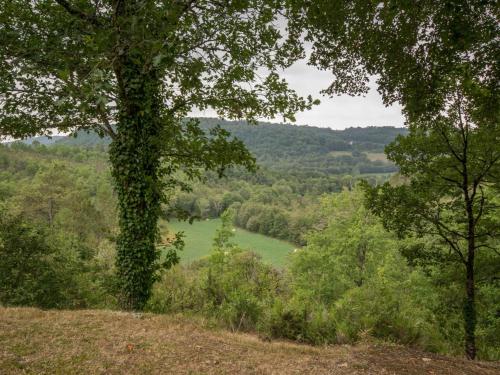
339,112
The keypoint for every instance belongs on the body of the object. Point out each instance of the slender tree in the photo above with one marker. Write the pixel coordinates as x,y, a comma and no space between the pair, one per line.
452,169
439,59
133,69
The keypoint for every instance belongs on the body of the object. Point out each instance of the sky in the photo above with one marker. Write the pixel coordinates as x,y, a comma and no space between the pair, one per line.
338,112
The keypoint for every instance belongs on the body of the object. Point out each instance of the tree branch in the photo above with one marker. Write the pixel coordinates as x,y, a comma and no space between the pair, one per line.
92,19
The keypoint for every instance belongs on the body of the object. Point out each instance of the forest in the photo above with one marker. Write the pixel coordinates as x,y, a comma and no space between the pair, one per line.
381,235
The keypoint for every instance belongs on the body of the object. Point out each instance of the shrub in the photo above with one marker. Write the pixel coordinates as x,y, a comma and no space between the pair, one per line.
231,285
178,290
394,304
299,321
42,267
33,272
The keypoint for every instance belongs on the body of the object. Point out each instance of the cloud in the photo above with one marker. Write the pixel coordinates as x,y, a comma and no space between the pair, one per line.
343,111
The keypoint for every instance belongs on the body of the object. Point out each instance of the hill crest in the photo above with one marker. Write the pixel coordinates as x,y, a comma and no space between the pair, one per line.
94,342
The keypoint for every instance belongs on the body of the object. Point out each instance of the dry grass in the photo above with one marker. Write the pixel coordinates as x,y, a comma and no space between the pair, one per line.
103,342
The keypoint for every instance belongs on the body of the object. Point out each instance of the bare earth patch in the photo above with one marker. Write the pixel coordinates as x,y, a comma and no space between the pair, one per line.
104,342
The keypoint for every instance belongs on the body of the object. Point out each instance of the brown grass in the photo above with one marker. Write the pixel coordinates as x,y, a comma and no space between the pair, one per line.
104,342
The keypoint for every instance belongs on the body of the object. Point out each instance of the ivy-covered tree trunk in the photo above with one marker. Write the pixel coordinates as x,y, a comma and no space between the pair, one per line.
135,159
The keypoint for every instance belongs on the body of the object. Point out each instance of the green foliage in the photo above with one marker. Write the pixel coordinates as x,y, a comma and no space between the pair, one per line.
452,171
347,283
231,285
32,272
351,269
295,150
416,49
40,269
395,303
58,220
296,319
238,286
224,233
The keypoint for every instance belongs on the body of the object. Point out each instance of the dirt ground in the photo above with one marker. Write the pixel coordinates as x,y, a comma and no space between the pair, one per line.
104,342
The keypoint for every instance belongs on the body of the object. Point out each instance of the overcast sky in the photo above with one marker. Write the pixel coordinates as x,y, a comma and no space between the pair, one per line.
339,112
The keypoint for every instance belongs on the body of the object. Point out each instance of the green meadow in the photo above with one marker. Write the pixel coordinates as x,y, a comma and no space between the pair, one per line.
199,235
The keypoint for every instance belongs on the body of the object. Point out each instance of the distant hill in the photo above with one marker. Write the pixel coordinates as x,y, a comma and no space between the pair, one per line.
297,148
42,140
290,139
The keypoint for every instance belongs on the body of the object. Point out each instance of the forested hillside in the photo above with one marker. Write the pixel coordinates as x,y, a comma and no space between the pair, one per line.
297,165
298,149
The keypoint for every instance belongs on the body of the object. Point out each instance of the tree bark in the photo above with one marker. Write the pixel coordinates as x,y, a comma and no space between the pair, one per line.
470,312
470,303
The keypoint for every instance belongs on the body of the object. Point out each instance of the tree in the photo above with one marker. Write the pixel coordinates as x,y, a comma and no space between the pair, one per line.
345,251
440,61
452,169
133,70
224,234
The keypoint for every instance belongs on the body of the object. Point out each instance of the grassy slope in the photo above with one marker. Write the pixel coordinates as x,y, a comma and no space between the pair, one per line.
199,237
97,342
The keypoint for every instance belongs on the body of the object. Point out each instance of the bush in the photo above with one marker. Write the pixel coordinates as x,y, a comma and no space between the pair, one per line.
179,290
33,272
298,321
394,304
232,286
44,268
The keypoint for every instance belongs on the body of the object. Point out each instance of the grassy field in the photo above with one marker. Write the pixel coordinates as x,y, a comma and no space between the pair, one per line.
376,156
372,156
91,342
199,235
340,153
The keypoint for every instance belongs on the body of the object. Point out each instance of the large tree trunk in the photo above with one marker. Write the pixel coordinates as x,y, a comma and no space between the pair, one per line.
135,159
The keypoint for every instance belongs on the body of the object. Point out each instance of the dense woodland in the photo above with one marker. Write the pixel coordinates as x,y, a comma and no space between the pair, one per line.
297,164
297,150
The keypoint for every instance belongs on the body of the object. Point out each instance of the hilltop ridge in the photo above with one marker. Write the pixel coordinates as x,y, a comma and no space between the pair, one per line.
289,148
95,342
